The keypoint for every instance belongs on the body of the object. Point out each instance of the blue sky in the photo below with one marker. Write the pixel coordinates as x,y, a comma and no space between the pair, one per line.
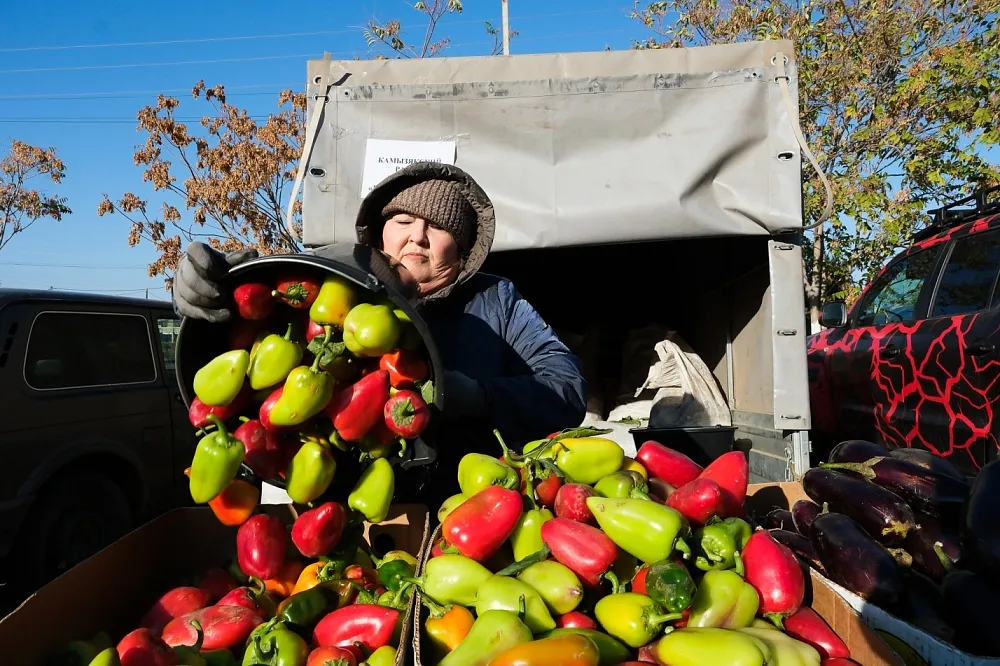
73,75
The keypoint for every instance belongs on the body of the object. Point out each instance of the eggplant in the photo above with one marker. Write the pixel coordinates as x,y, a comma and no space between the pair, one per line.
779,519
922,488
880,512
935,550
857,451
804,513
930,462
981,527
922,609
799,545
970,603
856,561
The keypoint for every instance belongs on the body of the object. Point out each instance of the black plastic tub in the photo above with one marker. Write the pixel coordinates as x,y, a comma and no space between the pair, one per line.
701,444
199,341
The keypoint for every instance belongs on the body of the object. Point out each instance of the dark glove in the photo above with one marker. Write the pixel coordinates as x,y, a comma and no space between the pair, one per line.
464,397
196,283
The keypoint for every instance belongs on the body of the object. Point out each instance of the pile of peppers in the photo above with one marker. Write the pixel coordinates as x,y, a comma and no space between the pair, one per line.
312,374
311,595
571,553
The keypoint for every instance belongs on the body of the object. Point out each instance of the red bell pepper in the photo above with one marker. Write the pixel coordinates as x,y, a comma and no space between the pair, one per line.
406,414
698,500
774,571
547,487
224,627
732,472
576,620
838,661
264,455
260,546
244,597
667,465
586,550
174,603
332,656
242,333
571,503
254,301
359,406
316,531
405,368
142,648
480,525
439,547
371,626
807,626
313,330
297,291
639,580
217,583
199,412
267,406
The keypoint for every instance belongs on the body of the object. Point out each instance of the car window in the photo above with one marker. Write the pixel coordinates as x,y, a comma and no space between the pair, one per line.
894,297
169,328
84,349
967,282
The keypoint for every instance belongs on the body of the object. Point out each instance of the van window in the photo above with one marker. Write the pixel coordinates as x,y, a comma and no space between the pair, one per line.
895,296
83,349
967,282
168,327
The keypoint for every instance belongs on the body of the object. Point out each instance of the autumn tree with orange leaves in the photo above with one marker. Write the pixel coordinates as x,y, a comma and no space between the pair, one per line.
21,205
899,99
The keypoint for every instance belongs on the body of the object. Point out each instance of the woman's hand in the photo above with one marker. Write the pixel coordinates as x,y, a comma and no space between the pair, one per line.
196,283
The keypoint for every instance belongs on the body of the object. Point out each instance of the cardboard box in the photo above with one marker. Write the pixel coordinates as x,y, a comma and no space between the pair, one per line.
930,648
866,647
113,589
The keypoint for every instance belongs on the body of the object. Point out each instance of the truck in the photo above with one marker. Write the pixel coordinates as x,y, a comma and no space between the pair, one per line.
632,189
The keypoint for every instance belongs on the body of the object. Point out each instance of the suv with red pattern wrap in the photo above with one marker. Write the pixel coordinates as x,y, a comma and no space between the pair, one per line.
915,362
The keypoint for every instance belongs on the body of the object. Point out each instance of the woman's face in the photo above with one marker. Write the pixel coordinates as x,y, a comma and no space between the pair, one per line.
429,253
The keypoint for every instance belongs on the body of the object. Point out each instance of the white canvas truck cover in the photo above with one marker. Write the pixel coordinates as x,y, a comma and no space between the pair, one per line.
577,148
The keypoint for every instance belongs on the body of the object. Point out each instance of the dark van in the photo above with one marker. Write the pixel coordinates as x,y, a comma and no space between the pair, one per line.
94,437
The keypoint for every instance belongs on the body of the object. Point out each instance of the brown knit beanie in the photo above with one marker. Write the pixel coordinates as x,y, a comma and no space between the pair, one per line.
441,202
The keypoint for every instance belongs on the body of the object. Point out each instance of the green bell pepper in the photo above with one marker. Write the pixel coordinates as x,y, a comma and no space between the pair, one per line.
559,587
648,530
303,610
371,330
526,539
632,618
588,459
669,584
274,644
718,544
106,657
698,647
478,470
393,574
384,656
785,650
310,472
452,579
623,484
306,391
372,495
493,632
219,381
220,658
216,461
723,600
504,593
275,357
450,505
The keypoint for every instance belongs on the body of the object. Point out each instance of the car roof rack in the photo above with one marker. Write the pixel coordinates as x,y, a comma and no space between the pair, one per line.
951,215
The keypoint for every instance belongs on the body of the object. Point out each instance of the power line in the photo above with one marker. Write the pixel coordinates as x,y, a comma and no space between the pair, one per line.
129,94
202,40
92,267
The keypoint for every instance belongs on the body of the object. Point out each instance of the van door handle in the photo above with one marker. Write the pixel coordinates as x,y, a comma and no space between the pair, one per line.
980,350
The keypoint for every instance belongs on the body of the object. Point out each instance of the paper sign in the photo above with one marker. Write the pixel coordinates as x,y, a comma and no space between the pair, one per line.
273,495
384,157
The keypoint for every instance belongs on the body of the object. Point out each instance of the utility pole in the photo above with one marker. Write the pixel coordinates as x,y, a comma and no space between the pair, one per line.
506,27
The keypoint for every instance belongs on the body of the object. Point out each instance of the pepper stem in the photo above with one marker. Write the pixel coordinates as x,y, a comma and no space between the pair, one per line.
522,607
946,561
436,609
616,585
513,459
288,333
659,619
315,365
521,565
778,619
685,550
201,635
417,581
327,332
220,427
864,469
738,564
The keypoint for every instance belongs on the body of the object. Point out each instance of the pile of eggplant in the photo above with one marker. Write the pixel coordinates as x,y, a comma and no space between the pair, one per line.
908,532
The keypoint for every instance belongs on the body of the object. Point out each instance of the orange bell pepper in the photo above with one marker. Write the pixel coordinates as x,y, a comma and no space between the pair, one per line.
633,465
234,505
446,627
283,584
567,650
314,574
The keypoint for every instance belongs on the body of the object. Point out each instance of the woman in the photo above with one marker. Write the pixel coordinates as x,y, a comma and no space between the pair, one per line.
505,368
